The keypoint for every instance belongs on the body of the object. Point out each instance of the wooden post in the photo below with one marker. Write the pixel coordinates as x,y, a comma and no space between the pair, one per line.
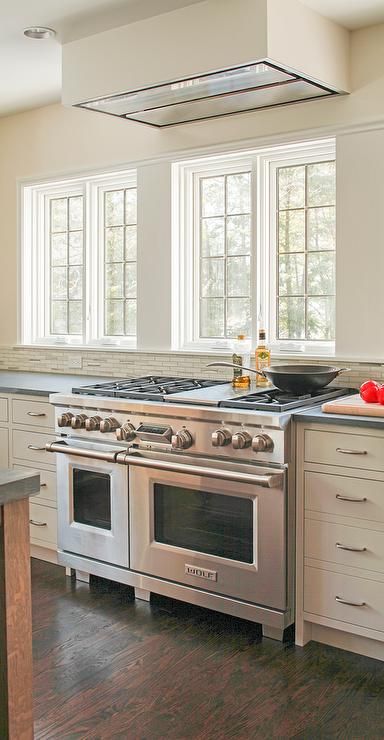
16,714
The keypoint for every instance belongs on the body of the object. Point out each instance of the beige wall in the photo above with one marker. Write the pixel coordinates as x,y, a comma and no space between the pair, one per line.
55,141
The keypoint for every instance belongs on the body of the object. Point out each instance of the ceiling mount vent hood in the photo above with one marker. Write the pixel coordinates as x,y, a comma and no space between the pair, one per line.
210,59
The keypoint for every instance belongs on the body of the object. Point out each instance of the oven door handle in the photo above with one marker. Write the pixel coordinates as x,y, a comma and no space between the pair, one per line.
272,480
79,452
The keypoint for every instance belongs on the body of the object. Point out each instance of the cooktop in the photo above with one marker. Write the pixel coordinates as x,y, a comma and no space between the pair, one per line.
207,392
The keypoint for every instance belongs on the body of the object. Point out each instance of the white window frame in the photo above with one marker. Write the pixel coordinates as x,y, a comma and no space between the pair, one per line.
35,254
263,164
186,179
318,152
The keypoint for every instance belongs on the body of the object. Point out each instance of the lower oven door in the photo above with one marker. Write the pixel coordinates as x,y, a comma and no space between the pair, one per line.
92,507
215,534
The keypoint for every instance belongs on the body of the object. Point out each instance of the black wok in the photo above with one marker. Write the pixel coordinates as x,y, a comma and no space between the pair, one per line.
297,379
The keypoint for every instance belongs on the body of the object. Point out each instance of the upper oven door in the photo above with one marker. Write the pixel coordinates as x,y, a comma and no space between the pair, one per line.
93,509
215,534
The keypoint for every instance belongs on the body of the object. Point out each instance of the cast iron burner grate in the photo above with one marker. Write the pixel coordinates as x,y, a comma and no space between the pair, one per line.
276,400
146,388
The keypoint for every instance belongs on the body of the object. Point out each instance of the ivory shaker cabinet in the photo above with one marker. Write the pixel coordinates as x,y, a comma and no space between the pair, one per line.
340,535
26,424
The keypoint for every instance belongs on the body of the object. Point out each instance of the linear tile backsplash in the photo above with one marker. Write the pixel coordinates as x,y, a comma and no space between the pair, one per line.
126,364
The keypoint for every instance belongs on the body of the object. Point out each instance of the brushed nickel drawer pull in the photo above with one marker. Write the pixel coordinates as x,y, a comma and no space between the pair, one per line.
350,548
351,452
38,524
340,600
352,499
35,413
37,449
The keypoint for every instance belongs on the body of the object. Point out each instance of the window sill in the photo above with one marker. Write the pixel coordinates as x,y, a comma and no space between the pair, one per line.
78,347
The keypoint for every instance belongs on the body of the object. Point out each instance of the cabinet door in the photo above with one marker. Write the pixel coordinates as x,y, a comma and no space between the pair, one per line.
4,448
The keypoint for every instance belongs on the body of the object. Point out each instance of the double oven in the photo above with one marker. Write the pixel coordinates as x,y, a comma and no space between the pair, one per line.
208,524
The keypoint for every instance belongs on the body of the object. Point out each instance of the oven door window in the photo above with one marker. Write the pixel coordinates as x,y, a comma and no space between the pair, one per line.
210,523
92,498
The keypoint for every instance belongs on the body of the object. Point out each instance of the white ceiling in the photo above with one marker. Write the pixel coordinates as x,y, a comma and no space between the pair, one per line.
31,69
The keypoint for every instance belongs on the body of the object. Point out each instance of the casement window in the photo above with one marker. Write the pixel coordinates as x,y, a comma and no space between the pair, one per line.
305,251
79,261
257,246
224,239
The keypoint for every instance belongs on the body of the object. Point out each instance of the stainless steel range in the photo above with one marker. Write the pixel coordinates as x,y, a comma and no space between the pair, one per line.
182,487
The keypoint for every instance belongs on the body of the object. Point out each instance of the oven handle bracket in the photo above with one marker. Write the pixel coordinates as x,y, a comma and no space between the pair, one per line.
272,480
79,452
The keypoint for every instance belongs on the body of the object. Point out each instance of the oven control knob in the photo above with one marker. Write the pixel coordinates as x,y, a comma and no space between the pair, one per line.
221,437
182,440
241,440
64,420
109,424
93,423
126,433
78,421
262,443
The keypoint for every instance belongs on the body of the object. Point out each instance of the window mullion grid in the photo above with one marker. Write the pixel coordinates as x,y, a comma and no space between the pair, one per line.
67,266
103,268
256,256
87,282
306,253
49,299
225,258
277,265
84,295
124,268
198,272
46,216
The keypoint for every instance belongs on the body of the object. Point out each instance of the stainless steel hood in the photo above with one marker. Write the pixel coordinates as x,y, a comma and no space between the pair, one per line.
213,58
236,90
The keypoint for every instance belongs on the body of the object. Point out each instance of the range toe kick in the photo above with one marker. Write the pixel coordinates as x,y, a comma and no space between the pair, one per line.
275,624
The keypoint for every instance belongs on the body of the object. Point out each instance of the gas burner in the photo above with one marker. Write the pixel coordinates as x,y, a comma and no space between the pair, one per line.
146,388
276,400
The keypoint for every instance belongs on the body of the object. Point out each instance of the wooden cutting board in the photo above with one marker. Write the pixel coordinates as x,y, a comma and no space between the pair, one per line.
353,405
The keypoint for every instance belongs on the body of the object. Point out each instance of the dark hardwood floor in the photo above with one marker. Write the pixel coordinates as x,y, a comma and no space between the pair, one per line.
109,667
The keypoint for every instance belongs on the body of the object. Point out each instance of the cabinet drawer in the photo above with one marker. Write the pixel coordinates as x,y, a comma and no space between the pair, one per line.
47,486
329,494
42,524
31,446
343,449
326,541
33,413
321,588
3,409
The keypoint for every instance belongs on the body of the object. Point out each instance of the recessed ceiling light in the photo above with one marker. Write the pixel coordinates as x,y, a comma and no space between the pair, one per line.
39,32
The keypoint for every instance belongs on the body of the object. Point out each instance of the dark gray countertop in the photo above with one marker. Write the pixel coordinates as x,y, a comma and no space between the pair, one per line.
18,484
317,415
42,384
